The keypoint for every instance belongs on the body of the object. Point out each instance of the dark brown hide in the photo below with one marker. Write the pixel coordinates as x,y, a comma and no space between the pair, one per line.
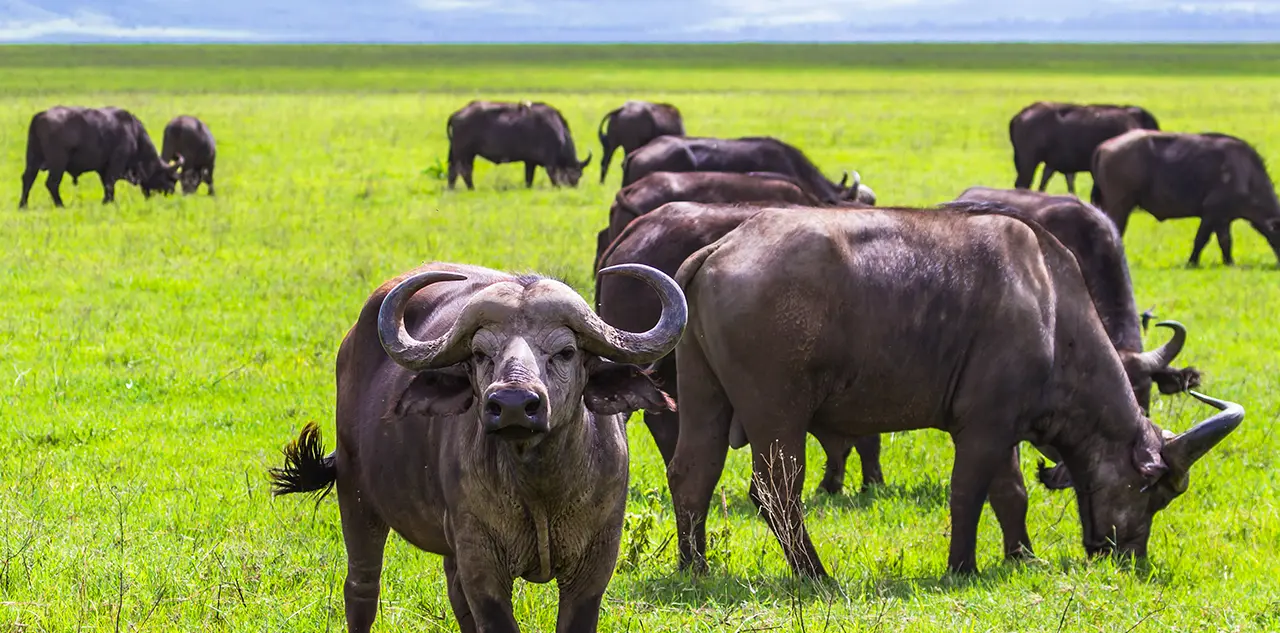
633,125
743,155
659,188
479,416
110,141
187,140
1094,242
893,320
663,239
1214,177
533,133
1063,136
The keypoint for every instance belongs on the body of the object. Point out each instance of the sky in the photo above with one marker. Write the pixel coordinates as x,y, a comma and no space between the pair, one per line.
623,20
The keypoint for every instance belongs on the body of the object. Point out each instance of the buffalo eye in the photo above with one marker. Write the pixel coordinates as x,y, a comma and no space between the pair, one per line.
480,357
565,355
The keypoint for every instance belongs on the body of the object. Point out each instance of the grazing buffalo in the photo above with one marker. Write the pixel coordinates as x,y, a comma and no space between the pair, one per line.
533,133
481,416
1093,240
663,239
188,140
659,188
891,320
633,125
1063,136
765,154
110,141
1214,177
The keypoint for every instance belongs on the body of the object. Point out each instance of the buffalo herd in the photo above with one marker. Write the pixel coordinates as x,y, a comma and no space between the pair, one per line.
743,298
113,142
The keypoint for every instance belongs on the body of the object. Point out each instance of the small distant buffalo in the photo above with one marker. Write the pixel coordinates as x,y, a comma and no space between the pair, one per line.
530,132
659,188
748,154
188,140
482,416
633,125
1214,177
110,141
1063,136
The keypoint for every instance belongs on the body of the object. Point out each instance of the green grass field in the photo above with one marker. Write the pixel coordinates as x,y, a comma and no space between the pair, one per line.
156,354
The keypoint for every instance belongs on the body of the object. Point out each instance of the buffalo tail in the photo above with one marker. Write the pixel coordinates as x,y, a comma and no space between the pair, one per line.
306,467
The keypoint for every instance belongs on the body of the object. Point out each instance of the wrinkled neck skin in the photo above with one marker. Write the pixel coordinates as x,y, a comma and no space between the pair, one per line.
549,465
1092,418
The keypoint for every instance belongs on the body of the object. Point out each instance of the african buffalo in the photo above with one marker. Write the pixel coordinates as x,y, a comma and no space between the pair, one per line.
110,141
633,125
1093,240
188,140
1214,177
890,320
1063,136
530,132
659,188
756,153
663,239
478,417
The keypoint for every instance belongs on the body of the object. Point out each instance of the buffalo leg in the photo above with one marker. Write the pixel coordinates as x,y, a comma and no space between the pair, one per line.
1202,239
604,162
1044,178
457,597
1224,243
52,183
1009,501
869,453
580,595
977,462
665,428
530,170
1071,182
208,178
28,181
837,450
108,188
777,485
483,580
365,536
1026,167
695,469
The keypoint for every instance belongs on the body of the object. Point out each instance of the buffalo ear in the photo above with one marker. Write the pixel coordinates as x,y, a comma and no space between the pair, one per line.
1171,381
1146,454
621,388
436,392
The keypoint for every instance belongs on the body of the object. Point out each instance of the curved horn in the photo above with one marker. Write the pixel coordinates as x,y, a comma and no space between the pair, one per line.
621,346
586,162
1161,357
844,179
178,162
403,348
1184,449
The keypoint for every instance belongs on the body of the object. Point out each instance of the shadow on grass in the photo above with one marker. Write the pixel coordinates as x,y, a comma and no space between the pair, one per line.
724,588
932,493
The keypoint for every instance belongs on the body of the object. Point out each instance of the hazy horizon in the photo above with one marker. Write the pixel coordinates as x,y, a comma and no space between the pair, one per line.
663,21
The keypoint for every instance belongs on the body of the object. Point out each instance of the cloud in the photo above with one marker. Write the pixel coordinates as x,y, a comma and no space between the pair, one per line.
88,25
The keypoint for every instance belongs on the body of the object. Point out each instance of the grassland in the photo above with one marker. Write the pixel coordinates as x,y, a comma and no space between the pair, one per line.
155,354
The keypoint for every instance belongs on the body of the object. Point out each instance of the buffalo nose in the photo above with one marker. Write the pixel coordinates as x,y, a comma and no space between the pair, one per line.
514,412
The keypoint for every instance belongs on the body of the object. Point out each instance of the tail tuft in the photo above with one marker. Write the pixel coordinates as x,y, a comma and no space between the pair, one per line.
306,467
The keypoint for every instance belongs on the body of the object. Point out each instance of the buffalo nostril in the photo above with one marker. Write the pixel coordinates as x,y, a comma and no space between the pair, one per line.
493,408
531,409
